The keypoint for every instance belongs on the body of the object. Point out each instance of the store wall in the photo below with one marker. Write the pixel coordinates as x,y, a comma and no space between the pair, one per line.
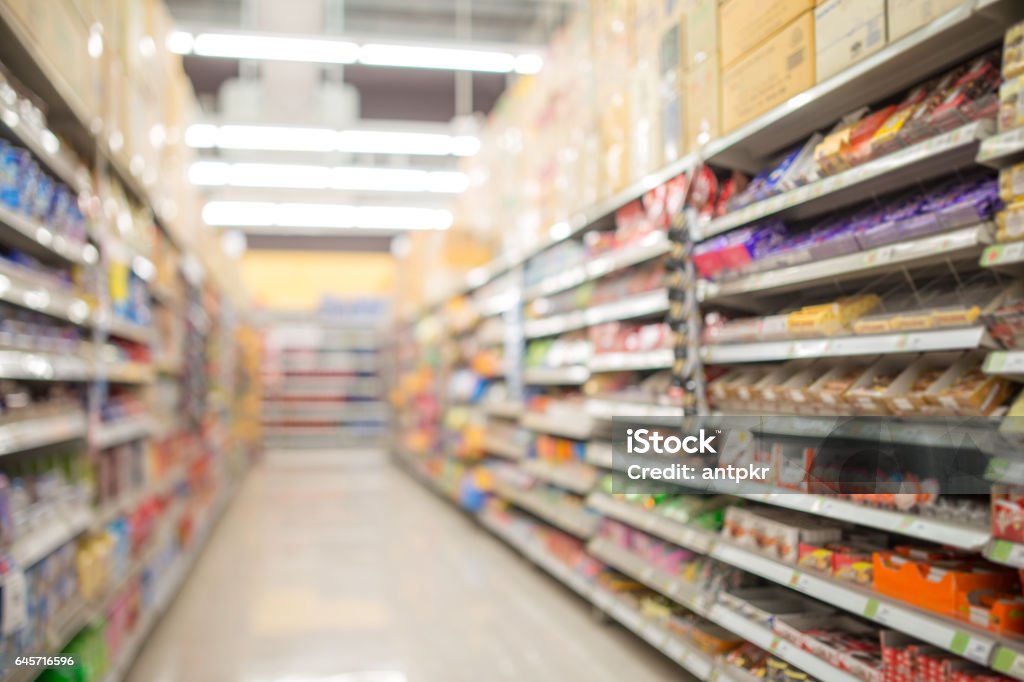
297,280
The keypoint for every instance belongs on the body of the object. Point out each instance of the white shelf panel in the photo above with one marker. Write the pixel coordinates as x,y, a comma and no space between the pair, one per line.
933,249
1006,255
952,635
573,375
639,305
608,409
505,409
15,364
655,524
570,519
1008,363
1002,150
568,423
19,289
598,453
650,247
123,329
574,477
28,235
501,447
930,158
123,430
45,539
965,338
35,432
621,362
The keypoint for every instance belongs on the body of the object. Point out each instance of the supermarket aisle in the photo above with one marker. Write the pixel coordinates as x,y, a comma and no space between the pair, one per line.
332,563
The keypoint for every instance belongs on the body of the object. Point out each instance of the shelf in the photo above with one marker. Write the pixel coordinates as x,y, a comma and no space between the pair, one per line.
123,329
623,362
577,478
936,157
1009,255
41,296
604,408
567,423
123,430
44,540
701,603
45,146
36,432
959,637
959,244
1007,363
127,372
505,409
1006,553
1003,150
34,238
570,519
501,447
650,247
16,364
637,305
945,42
966,338
573,375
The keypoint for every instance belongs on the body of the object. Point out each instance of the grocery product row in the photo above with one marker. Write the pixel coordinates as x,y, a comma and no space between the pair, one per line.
127,369
836,280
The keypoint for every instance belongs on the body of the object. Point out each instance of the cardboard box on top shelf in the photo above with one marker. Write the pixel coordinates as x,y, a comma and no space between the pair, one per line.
671,80
612,33
906,16
778,69
846,31
647,26
701,37
615,154
645,145
702,102
743,25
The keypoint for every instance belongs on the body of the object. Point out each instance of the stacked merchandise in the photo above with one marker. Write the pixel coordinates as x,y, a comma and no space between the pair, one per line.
848,253
321,379
109,477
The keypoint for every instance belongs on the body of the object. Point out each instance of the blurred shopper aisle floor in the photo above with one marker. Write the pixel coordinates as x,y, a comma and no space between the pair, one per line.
337,567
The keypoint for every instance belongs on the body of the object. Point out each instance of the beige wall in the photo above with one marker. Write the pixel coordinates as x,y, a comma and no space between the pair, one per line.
297,280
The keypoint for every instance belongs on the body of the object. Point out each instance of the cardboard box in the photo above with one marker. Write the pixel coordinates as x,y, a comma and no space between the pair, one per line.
645,145
702,104
744,25
671,113
701,32
906,16
779,69
846,31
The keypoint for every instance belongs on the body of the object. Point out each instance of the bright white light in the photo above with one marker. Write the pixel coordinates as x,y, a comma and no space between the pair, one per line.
465,145
275,138
94,46
409,56
264,214
180,42
559,231
275,48
378,142
239,213
529,63
352,178
201,136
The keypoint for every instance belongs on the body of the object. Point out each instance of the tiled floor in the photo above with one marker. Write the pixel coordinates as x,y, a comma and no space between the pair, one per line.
338,567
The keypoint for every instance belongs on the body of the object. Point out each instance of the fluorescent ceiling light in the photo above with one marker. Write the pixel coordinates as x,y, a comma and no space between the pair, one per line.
274,48
334,51
277,138
353,178
334,216
451,59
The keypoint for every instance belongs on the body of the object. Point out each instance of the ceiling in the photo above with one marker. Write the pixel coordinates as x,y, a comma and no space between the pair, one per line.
396,95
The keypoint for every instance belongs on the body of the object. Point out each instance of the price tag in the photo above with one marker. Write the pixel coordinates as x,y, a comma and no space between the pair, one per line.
1009,662
978,651
1014,362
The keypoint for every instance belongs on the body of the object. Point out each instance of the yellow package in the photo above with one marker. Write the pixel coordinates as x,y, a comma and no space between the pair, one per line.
1011,222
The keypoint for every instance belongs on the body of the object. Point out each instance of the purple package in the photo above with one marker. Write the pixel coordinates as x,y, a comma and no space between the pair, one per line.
751,243
973,206
832,242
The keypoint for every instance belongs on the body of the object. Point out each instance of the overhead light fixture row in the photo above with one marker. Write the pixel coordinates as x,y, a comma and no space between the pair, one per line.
281,138
261,214
353,178
328,51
